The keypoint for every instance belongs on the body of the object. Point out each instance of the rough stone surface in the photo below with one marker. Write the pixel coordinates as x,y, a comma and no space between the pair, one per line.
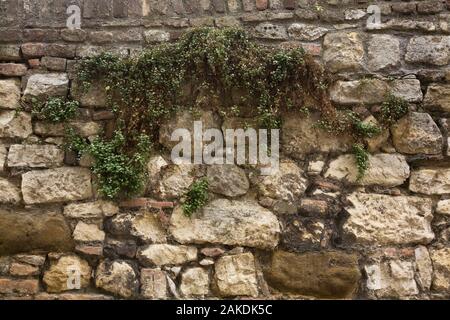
424,267
282,190
227,222
88,233
94,97
343,51
384,220
383,52
90,210
9,94
417,133
175,181
58,277
432,50
84,129
301,31
20,287
24,231
3,155
153,284
300,136
443,207
35,156
227,180
387,170
430,181
56,185
441,265
42,86
15,125
194,282
117,277
9,192
328,274
166,254
394,279
235,275
438,97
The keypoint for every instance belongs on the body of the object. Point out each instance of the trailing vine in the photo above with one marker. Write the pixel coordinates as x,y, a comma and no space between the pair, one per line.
219,69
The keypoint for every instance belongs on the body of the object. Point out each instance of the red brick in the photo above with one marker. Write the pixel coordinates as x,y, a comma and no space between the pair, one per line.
9,286
13,69
34,63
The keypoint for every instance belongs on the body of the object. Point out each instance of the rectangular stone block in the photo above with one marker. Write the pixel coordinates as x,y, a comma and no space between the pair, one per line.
10,286
9,52
35,156
12,69
9,94
153,284
56,185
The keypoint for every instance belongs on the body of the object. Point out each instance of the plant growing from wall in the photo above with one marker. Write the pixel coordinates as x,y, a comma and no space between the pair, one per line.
55,110
196,197
222,69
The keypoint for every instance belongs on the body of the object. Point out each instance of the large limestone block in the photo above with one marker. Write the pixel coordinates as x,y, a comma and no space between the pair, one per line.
383,52
94,97
387,170
430,181
166,254
91,210
175,181
58,277
329,274
343,51
117,277
56,185
43,86
228,180
33,229
15,124
9,94
235,275
300,137
378,220
417,133
35,156
432,50
242,223
194,282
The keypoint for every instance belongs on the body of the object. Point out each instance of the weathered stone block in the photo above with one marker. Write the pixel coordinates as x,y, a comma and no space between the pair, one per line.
235,275
438,97
165,254
194,282
9,94
9,52
88,233
432,50
376,219
329,274
15,125
441,264
243,223
13,69
35,156
9,192
43,86
343,51
271,31
58,277
153,284
56,185
90,210
228,180
117,277
430,181
301,31
32,229
417,133
387,170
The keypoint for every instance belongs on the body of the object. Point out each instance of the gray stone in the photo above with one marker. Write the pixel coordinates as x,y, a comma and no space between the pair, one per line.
235,275
432,50
387,170
271,31
301,31
153,284
56,185
90,210
417,133
441,264
243,223
35,156
84,129
376,219
228,180
43,86
383,52
3,155
430,181
155,36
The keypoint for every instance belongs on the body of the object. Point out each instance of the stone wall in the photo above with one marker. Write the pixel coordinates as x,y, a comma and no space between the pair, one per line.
312,230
